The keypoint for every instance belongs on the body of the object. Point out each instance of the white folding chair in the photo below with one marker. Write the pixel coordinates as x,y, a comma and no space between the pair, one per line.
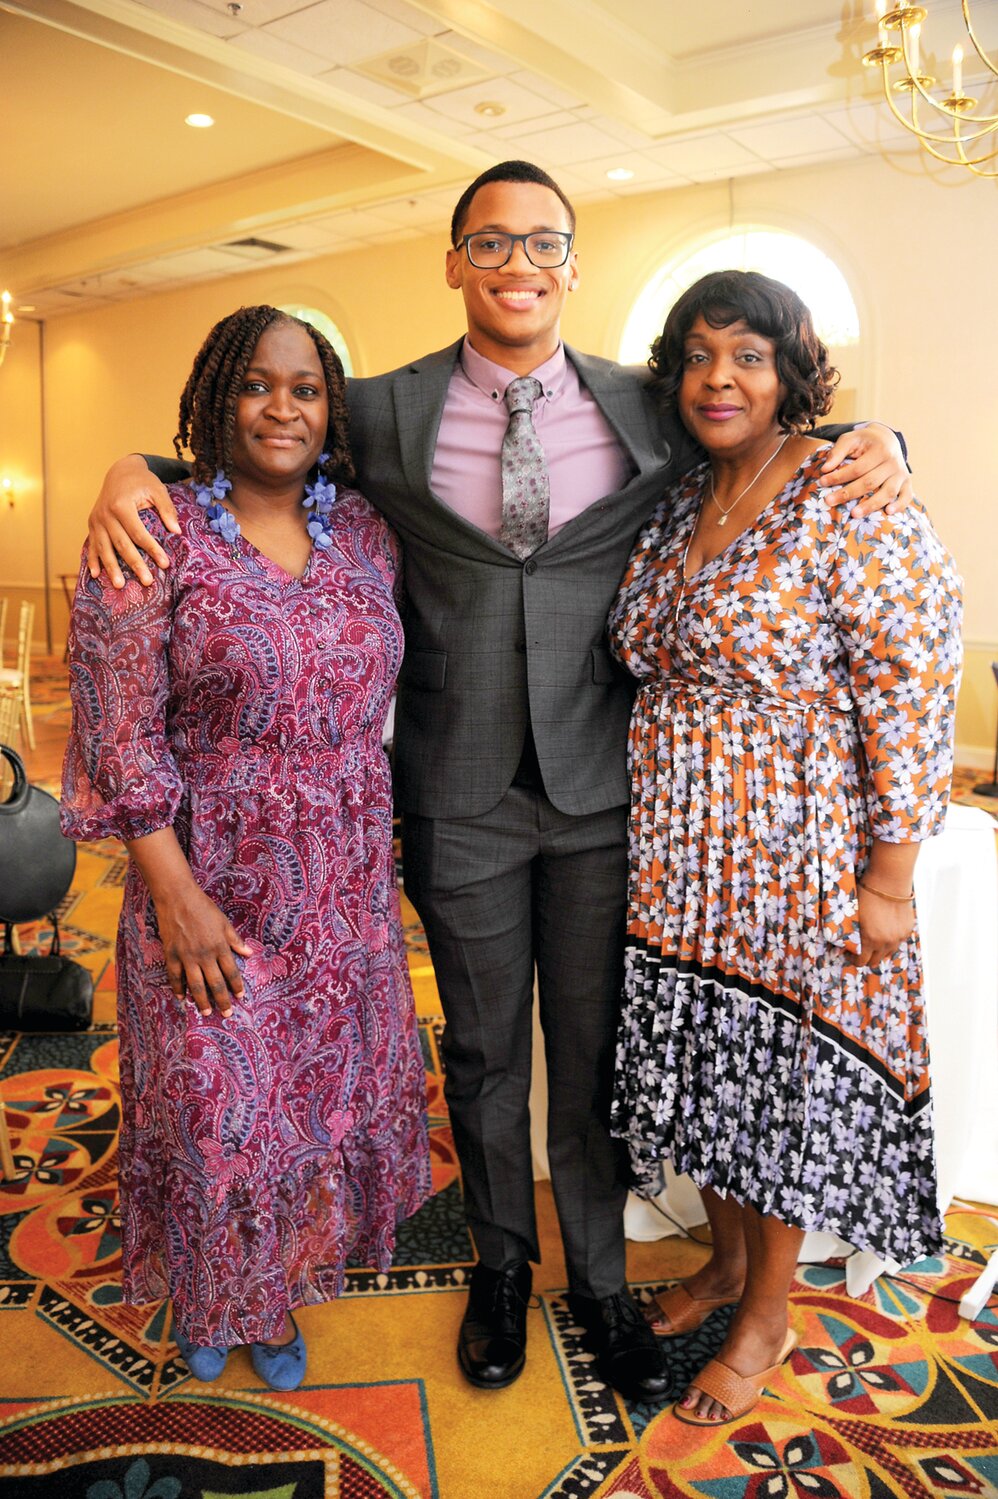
15,680
10,712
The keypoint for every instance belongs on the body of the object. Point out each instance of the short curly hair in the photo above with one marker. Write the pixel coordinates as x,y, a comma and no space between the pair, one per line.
208,401
767,307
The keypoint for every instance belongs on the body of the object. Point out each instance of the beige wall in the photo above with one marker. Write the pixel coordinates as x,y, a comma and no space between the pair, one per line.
22,533
918,256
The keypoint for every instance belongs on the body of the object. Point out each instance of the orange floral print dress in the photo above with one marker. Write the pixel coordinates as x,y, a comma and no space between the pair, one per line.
796,699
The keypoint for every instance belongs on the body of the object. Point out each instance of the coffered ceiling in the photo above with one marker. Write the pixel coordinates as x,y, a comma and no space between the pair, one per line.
346,122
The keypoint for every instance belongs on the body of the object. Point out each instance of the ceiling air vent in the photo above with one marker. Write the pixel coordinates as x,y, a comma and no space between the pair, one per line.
426,68
254,249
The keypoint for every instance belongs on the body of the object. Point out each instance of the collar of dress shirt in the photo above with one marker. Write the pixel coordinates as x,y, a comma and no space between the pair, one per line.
492,379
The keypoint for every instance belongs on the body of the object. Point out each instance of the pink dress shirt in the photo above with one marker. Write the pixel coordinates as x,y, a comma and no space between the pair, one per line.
584,457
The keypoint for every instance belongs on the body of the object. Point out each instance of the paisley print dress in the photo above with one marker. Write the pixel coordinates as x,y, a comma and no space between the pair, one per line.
796,700
244,708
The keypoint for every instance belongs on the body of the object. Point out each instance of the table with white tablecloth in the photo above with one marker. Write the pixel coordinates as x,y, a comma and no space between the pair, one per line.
956,886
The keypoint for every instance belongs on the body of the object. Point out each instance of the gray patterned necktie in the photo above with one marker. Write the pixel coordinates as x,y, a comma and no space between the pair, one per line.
526,486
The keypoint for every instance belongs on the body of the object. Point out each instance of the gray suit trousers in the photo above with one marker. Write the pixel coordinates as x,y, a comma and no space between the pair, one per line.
525,885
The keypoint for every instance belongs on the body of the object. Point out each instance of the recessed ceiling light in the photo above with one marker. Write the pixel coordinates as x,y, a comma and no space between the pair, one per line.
620,174
490,108
28,307
200,122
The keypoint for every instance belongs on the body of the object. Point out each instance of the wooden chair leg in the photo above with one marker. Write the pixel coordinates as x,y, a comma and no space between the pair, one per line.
29,727
6,1154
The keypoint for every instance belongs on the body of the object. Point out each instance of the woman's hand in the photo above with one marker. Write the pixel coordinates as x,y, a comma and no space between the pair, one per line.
115,528
198,944
884,895
883,926
876,474
198,939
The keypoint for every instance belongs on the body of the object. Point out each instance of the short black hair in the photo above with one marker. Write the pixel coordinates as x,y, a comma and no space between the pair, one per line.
767,307
208,400
506,171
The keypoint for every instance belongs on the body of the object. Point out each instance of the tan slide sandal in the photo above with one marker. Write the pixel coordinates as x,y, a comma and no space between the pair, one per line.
738,1393
675,1311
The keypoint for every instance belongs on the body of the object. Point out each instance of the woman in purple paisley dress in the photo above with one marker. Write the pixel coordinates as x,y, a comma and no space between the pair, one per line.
227,725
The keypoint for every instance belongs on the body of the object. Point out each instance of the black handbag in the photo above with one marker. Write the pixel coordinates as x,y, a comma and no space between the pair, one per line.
43,993
36,862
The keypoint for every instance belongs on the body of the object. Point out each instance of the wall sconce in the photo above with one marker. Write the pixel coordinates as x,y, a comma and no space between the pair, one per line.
7,491
6,323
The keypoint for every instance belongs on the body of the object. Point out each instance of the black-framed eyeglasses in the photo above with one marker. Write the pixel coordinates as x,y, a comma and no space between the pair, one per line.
545,248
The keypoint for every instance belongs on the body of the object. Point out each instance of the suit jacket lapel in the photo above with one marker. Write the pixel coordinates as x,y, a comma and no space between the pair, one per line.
620,397
419,393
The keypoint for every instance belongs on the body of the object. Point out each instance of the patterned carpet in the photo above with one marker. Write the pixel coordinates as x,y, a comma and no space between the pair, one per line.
889,1397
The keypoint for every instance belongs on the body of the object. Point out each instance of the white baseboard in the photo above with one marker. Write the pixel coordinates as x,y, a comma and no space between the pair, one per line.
974,757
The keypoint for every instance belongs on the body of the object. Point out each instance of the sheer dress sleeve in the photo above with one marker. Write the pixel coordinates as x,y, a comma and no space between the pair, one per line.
387,553
896,600
119,778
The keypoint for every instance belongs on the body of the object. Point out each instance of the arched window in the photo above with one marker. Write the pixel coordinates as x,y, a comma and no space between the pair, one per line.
326,327
786,257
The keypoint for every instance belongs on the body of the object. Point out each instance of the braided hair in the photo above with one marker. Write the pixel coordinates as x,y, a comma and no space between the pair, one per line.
208,402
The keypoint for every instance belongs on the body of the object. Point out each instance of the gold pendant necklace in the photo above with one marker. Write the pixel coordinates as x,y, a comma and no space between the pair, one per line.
725,513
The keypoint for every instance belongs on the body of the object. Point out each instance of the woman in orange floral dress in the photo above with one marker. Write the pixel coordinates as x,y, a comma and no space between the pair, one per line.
790,746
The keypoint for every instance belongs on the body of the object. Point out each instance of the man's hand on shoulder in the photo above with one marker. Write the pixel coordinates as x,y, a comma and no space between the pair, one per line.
867,465
116,534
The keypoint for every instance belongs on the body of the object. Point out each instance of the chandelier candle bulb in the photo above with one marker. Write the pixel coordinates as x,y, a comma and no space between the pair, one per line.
958,70
881,7
913,50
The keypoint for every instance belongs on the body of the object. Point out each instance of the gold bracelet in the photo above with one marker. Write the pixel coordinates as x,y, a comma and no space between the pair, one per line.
900,900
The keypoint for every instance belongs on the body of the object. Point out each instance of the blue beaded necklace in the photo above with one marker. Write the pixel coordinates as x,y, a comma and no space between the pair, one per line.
320,496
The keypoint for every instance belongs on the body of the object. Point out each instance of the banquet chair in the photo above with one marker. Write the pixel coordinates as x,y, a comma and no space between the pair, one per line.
10,708
15,679
10,712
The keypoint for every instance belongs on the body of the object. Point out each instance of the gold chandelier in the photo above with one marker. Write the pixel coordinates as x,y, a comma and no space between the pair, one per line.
953,126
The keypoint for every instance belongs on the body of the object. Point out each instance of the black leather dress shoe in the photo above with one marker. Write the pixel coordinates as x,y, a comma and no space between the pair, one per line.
492,1343
629,1354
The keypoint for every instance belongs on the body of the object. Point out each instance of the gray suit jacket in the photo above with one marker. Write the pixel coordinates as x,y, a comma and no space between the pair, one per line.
493,643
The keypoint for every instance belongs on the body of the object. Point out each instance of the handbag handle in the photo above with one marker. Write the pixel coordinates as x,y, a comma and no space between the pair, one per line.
8,938
19,793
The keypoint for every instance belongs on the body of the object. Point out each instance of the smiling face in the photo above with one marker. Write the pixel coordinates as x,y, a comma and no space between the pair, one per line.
730,392
282,409
514,312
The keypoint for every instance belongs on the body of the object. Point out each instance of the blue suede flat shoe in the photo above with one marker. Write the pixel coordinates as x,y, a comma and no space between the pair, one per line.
204,1363
283,1367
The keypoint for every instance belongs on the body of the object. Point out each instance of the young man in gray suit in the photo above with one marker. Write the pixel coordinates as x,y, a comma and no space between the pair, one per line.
510,734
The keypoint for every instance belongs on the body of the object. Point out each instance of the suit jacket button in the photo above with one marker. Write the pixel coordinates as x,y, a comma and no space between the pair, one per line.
530,568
